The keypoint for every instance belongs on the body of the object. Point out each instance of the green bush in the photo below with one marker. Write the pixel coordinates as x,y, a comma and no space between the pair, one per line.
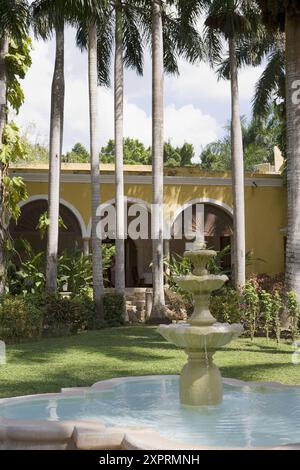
225,306
251,311
74,271
114,309
178,306
19,319
293,312
63,316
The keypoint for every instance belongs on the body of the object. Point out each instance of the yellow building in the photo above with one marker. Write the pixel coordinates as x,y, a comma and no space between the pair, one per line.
266,211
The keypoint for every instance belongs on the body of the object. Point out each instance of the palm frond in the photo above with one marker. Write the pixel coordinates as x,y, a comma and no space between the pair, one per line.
14,17
269,83
132,41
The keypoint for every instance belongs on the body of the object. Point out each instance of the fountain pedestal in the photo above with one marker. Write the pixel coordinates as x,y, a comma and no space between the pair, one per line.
200,380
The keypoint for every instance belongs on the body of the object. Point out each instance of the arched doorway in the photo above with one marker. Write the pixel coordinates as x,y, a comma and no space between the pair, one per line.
216,228
138,245
70,236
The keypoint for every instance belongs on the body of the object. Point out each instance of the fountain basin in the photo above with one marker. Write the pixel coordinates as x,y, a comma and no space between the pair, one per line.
199,285
200,338
145,413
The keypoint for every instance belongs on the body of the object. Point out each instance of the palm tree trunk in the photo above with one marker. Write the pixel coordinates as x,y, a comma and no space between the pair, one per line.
55,151
3,119
293,153
98,286
119,176
158,308
238,186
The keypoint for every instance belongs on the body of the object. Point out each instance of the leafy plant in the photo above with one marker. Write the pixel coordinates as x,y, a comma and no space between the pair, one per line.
74,271
251,308
63,316
114,309
20,319
277,306
266,307
225,306
293,311
29,279
44,222
216,264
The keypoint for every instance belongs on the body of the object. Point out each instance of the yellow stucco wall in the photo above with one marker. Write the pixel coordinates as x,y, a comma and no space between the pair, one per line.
265,201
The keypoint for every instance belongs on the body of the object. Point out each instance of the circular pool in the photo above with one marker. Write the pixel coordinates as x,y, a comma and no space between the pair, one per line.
252,415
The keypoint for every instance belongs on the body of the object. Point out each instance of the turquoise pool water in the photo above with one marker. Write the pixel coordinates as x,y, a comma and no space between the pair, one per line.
248,417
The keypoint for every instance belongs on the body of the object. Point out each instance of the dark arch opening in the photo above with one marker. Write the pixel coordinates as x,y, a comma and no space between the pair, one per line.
70,236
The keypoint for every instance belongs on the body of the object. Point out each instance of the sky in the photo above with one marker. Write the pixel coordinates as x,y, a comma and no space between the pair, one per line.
197,105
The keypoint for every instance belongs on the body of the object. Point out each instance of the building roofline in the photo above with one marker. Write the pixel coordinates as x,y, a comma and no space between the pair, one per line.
109,169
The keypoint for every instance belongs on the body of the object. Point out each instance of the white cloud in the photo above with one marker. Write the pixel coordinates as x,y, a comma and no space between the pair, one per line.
189,124
37,89
198,82
185,123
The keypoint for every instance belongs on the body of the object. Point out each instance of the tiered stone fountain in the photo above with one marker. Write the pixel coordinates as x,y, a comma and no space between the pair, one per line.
200,380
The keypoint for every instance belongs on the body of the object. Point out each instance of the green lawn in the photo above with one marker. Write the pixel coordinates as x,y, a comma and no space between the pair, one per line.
50,364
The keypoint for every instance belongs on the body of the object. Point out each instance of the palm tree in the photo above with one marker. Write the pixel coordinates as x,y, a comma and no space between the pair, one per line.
118,23
158,309
171,36
14,16
284,15
98,284
49,16
119,167
233,20
128,49
55,152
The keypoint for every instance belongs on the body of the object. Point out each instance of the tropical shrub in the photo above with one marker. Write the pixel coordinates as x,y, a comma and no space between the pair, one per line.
266,308
178,307
176,266
114,309
293,312
20,319
63,316
277,307
250,309
225,306
74,272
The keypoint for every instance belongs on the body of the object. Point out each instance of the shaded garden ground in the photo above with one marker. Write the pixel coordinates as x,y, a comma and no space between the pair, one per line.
50,364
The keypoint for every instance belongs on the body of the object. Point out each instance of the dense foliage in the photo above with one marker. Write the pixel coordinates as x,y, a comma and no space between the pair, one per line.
74,271
20,319
260,137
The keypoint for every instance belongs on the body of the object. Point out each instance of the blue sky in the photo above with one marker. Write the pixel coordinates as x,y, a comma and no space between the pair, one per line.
197,106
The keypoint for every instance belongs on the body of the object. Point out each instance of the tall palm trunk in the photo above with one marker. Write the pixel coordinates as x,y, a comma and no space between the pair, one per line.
55,151
119,170
98,287
3,119
293,152
238,185
158,308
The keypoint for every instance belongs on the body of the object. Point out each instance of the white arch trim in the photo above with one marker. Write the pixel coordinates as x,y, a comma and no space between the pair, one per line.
76,213
203,200
131,200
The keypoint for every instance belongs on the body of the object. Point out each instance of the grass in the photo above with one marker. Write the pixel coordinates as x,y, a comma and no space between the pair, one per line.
50,364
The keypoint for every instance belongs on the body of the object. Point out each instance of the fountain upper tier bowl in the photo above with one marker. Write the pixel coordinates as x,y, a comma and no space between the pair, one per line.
201,338
200,285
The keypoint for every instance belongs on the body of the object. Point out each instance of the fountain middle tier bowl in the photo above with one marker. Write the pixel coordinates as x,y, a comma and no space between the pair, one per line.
198,285
200,338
